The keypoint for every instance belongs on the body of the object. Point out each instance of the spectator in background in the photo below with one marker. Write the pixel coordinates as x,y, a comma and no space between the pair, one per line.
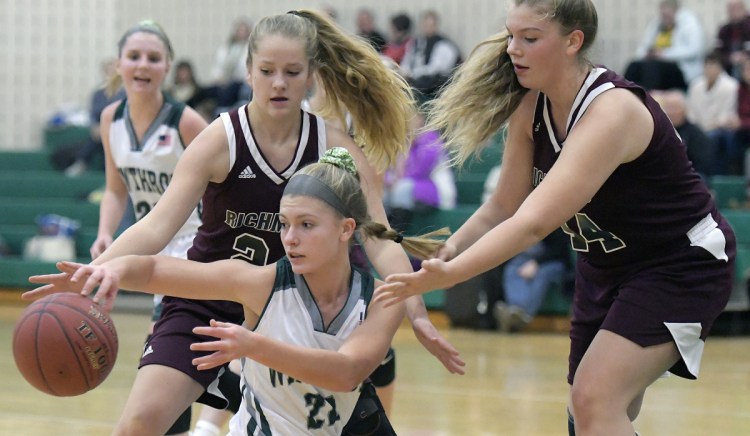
430,58
712,105
398,38
422,182
229,74
93,148
186,89
528,276
734,38
671,50
699,146
367,30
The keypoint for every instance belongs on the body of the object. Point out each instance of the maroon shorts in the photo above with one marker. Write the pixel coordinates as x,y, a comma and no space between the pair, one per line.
173,334
686,286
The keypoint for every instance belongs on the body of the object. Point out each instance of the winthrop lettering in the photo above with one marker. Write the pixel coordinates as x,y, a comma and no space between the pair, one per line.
280,378
267,221
139,179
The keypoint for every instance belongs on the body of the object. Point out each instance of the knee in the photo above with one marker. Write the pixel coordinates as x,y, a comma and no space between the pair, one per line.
138,423
589,404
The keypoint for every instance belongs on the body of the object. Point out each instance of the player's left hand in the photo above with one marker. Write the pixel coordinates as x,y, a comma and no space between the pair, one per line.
398,287
232,339
436,344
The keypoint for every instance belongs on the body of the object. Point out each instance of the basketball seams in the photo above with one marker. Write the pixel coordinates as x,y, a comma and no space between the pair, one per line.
60,325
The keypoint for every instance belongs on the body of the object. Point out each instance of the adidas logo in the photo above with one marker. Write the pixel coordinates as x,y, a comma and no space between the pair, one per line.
148,351
247,173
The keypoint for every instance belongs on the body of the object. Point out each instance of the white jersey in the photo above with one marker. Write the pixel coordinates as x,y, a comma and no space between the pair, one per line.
276,404
146,166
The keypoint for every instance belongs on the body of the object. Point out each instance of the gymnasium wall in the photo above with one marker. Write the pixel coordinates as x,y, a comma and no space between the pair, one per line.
50,50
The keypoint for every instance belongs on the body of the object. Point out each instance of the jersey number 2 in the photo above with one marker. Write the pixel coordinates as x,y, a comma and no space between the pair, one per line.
251,249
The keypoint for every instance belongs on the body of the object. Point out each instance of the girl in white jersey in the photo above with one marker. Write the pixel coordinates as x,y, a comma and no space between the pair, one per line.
284,52
315,335
144,135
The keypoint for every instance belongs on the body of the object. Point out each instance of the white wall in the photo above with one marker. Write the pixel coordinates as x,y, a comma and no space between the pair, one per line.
50,50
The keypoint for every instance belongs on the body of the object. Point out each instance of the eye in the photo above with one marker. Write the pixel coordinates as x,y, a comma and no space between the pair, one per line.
265,71
307,224
530,40
293,73
284,225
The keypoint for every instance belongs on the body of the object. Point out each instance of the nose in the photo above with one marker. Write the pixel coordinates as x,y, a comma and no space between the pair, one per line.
288,236
513,49
279,82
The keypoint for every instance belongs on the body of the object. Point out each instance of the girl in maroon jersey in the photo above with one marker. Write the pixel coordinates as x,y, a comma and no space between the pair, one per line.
593,153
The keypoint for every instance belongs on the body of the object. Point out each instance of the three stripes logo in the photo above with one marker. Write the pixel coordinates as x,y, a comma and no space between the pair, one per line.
247,173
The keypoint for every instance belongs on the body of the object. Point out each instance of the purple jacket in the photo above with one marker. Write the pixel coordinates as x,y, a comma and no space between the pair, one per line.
425,154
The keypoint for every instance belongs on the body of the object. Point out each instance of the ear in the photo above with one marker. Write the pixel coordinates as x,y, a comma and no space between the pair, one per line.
348,225
575,41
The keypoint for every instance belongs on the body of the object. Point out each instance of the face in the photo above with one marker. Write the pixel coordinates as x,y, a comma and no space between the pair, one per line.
712,70
143,63
313,234
535,46
667,15
280,76
736,10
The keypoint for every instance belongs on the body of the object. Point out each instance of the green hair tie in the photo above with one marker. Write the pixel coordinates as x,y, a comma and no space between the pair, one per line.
341,158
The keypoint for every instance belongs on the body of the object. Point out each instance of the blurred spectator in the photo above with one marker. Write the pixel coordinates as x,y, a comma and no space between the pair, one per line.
398,37
366,29
734,37
528,277
92,149
422,182
186,89
699,146
712,105
671,44
430,58
229,74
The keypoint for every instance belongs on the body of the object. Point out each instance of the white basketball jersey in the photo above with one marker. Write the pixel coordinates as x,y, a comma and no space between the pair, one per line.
146,166
276,404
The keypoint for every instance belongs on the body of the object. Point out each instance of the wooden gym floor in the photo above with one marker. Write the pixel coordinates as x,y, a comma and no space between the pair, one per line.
514,385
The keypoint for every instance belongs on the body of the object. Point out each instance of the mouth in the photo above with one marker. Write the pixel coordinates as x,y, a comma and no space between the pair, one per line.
279,99
520,68
142,79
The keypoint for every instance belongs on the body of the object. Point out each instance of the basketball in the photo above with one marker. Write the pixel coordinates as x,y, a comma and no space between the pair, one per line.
64,344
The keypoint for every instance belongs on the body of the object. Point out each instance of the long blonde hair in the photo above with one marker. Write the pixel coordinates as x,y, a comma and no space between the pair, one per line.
353,76
484,92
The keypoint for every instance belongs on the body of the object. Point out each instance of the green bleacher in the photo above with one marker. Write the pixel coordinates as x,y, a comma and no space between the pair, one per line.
29,187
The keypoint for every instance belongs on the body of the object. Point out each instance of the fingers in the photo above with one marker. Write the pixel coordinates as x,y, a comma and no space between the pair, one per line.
39,292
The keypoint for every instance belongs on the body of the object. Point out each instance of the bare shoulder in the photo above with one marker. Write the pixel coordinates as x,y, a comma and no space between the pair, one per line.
191,124
109,112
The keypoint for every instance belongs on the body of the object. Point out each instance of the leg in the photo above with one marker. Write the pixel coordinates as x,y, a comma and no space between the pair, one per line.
383,379
212,420
158,396
610,382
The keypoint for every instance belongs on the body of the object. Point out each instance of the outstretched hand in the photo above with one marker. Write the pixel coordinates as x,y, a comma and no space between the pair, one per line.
436,344
398,287
233,339
77,277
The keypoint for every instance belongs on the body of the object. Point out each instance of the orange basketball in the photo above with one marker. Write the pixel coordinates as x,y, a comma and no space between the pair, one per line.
64,344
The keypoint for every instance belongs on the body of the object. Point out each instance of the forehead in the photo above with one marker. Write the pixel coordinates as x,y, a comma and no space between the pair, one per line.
144,41
280,49
523,17
298,205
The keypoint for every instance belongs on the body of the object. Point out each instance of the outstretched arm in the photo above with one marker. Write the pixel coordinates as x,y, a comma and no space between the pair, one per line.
232,280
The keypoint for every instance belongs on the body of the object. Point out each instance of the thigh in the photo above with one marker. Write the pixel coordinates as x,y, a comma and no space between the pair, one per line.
158,396
615,371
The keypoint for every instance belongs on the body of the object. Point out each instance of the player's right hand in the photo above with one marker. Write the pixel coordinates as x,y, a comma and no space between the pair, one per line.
78,277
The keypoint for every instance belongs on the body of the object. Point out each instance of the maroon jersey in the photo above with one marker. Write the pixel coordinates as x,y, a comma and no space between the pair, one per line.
241,214
647,207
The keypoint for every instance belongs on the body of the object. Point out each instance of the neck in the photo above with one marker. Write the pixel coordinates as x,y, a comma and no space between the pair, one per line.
329,285
273,131
145,107
564,92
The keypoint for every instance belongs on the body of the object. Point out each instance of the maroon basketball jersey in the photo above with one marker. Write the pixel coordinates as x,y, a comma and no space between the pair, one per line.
241,214
647,206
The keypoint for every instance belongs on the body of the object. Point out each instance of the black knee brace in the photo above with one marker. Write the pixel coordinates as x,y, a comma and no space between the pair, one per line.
182,425
385,373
